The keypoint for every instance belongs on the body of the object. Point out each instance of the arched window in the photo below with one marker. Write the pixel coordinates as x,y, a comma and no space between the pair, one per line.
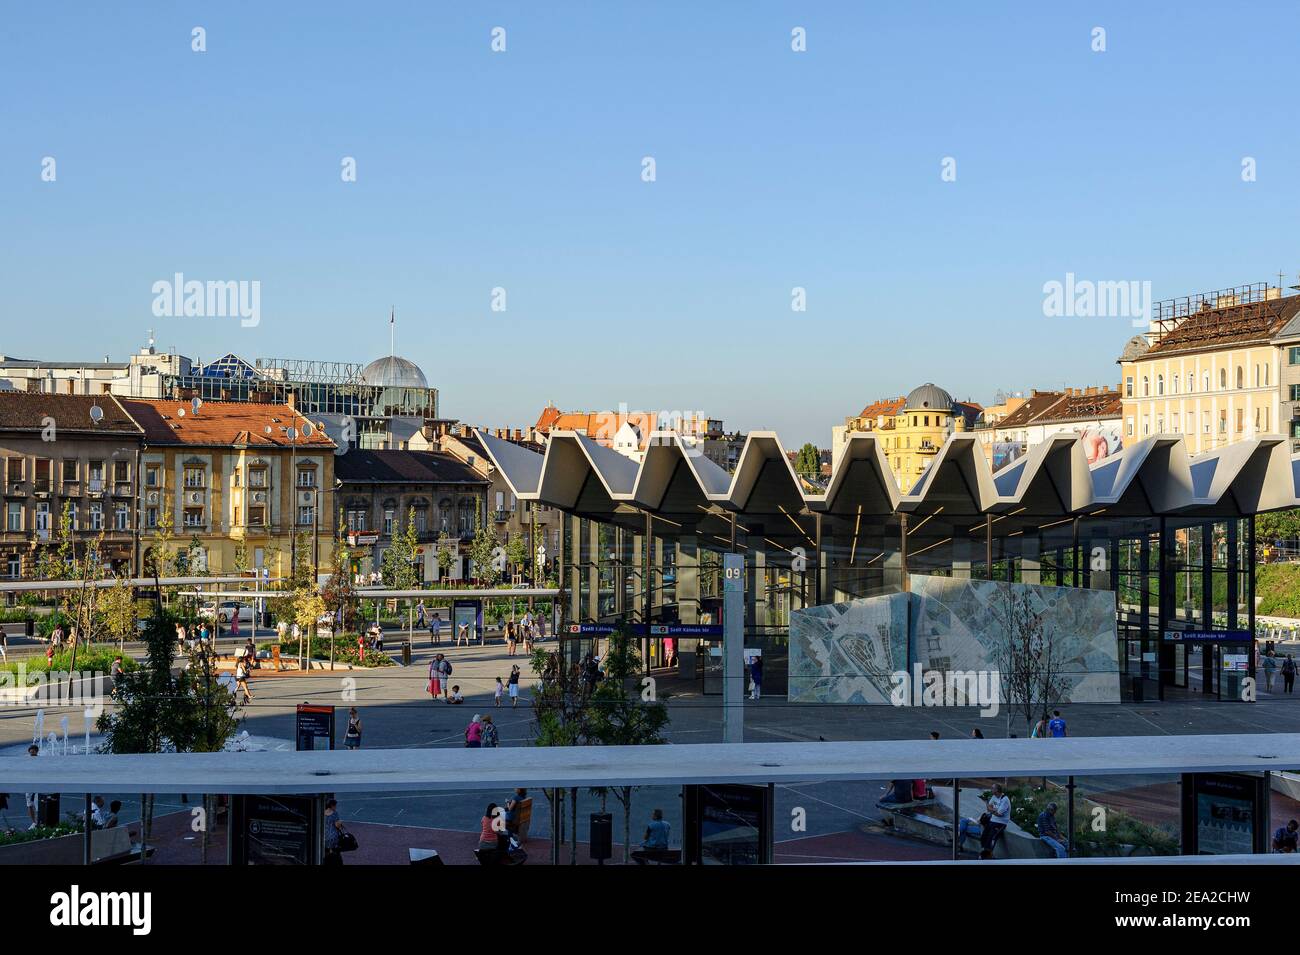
1146,386
1241,377
1223,378
1207,382
1160,384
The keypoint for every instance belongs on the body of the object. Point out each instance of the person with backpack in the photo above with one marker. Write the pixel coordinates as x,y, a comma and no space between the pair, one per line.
446,679
1288,674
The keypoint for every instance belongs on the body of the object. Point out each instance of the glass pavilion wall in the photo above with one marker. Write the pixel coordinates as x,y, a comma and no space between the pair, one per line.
1169,575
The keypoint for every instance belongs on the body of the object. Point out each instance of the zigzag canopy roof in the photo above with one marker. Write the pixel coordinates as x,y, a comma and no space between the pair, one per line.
1155,476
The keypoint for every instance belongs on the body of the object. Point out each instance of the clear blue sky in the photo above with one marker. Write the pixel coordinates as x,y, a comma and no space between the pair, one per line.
523,170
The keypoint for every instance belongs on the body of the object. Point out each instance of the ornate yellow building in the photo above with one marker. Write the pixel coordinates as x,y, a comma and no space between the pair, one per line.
243,479
920,428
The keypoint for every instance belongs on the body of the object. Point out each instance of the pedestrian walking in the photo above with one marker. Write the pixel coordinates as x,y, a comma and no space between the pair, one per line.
115,672
1288,674
499,692
352,738
241,679
514,686
1056,726
419,615
510,639
1270,669
435,630
756,678
488,734
4,645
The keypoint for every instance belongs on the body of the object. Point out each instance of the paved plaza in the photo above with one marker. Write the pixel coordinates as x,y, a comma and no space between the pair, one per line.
842,820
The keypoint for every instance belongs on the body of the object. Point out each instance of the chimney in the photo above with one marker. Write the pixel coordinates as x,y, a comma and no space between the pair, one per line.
292,401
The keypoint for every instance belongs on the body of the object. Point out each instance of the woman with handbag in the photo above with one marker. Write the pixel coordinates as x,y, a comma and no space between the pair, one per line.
334,833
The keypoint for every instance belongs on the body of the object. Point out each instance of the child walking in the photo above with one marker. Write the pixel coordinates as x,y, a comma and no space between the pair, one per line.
501,688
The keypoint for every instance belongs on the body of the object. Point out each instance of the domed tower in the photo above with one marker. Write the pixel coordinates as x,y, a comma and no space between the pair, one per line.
920,430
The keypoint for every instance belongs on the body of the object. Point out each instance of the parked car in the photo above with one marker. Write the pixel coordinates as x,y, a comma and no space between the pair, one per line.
226,611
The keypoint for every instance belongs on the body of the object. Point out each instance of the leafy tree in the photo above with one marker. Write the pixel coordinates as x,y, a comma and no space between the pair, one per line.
808,463
240,559
517,551
118,605
445,559
481,551
398,563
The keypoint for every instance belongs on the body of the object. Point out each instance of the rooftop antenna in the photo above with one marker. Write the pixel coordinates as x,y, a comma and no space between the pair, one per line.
392,332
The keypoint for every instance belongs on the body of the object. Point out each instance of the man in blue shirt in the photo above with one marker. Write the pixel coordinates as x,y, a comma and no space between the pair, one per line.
655,845
1056,726
1049,833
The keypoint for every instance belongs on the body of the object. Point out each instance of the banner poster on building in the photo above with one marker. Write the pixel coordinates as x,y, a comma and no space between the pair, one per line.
1101,442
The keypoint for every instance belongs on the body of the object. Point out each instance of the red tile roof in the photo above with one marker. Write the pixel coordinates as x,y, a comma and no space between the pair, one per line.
232,423
885,406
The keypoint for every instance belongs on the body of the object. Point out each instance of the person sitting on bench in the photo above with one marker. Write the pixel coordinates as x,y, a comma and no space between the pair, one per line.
654,848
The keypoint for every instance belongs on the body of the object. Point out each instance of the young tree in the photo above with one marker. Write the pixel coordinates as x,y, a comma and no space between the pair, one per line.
517,552
339,592
157,711
445,559
625,711
1028,657
482,550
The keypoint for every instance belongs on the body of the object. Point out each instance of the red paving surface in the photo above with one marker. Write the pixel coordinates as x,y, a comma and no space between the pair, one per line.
175,844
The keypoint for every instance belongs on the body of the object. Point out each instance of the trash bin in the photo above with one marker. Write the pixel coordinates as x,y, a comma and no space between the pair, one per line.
1138,691
29,627
602,836
266,619
47,809
406,653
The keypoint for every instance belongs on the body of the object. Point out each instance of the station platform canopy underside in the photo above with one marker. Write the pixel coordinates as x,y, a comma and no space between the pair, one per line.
958,498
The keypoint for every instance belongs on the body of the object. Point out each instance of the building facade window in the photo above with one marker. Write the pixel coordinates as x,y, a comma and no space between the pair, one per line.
1293,355
194,477
1128,387
122,516
96,516
14,519
151,475
306,515
42,517
306,477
